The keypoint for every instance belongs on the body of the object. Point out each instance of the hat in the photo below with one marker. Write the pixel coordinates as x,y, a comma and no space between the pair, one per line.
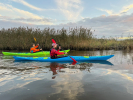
54,43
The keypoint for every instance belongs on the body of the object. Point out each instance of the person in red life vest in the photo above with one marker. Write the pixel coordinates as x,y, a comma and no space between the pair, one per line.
34,48
54,52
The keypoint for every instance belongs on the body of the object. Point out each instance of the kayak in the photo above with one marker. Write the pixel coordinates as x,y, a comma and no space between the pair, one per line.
42,53
67,58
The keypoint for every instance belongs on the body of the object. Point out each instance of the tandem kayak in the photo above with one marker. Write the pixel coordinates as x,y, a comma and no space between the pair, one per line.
41,53
63,59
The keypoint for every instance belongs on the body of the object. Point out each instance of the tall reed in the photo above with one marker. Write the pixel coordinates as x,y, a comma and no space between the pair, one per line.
21,38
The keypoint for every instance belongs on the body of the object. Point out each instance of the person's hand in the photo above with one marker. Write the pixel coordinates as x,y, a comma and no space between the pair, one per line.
59,47
41,49
38,44
65,52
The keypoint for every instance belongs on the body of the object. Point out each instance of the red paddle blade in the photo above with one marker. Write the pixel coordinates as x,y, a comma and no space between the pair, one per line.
74,63
53,41
73,59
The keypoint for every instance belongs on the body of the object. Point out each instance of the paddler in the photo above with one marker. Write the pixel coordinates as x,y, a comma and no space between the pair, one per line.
34,49
54,52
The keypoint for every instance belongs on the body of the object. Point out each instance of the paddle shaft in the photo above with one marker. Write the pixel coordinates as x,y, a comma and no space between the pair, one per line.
71,57
39,45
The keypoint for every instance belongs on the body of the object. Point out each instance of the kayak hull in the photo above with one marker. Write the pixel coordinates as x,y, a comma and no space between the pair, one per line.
42,53
77,58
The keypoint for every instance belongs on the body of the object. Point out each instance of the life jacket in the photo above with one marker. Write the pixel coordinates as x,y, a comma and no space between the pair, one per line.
54,53
33,49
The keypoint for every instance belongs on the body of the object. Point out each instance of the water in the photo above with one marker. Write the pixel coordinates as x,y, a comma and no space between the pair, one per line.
109,80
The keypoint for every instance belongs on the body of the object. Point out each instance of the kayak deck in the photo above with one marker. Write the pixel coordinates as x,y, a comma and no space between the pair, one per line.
41,53
77,58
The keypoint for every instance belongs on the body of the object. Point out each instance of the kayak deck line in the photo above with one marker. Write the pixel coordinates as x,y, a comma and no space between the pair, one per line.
67,58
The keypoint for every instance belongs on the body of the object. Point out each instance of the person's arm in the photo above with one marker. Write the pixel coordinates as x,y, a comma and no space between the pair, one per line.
59,53
36,49
36,46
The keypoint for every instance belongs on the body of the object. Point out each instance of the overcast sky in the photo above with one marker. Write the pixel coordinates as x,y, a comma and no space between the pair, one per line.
106,17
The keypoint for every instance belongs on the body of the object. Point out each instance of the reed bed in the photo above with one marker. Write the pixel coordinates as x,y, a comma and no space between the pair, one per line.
21,38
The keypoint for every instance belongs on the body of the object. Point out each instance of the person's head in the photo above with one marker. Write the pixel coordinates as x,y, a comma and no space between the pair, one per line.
33,44
54,45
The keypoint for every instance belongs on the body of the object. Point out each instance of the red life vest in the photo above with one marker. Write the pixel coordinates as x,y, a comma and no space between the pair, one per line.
54,53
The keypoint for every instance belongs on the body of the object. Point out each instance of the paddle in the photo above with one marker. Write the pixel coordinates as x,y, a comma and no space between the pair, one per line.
71,58
35,41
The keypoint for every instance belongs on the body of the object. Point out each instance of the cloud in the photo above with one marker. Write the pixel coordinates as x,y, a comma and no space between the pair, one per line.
9,24
28,5
70,8
110,12
34,20
126,8
113,25
26,19
31,6
15,13
125,38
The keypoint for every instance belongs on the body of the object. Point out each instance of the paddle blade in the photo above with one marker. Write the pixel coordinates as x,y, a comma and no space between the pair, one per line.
73,59
74,63
35,39
53,41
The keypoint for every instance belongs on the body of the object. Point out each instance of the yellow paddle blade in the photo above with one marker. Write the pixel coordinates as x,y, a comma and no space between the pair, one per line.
35,39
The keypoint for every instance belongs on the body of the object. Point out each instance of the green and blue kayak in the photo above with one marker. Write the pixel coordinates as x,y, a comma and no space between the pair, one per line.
67,58
41,53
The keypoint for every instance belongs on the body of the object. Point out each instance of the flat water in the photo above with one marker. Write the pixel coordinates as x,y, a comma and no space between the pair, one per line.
101,80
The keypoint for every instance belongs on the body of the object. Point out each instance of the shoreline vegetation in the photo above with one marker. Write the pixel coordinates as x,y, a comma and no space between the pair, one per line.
21,38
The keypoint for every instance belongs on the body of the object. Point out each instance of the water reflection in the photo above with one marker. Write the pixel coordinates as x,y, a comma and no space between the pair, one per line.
54,67
27,72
